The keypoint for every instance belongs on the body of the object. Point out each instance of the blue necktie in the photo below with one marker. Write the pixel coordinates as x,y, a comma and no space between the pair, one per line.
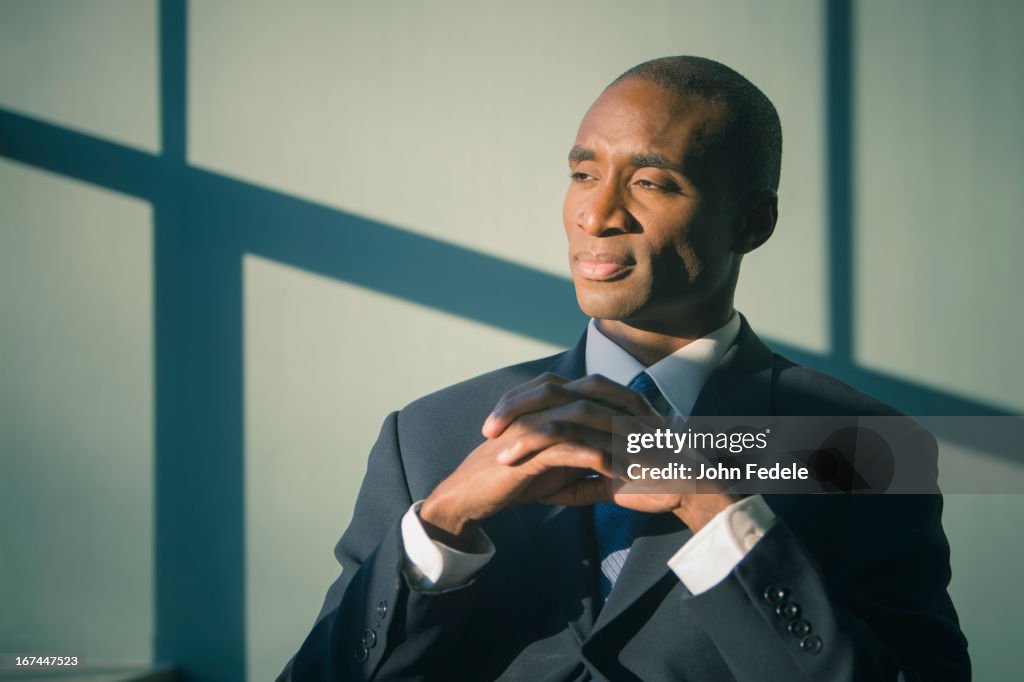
615,526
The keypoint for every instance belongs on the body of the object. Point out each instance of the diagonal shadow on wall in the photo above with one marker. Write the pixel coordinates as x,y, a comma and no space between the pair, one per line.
204,225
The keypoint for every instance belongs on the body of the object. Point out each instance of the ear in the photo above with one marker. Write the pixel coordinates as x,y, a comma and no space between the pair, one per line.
756,221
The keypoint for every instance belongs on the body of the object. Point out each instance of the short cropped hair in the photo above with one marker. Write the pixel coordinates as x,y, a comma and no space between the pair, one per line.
752,134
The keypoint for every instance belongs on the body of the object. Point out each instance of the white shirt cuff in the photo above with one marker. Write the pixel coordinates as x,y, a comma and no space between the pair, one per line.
434,566
711,554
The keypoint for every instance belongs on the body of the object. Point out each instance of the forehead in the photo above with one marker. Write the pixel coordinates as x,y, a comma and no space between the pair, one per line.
635,116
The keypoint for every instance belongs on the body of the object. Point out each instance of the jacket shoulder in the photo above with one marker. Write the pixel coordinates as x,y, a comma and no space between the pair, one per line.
484,388
802,390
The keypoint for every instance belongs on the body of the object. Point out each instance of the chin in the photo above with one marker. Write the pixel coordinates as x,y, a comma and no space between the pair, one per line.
607,303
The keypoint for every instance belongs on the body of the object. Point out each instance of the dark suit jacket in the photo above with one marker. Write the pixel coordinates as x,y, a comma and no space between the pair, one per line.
868,573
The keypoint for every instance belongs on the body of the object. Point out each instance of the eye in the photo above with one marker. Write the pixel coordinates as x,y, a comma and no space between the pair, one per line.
580,176
664,188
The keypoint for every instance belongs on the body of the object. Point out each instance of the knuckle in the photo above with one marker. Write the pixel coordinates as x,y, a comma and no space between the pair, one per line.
550,390
554,428
520,445
551,428
580,408
505,397
513,449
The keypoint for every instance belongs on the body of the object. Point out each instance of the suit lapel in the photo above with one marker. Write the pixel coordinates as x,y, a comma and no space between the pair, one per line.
645,566
740,385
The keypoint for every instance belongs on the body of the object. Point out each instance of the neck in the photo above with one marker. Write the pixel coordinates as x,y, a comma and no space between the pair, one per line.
649,343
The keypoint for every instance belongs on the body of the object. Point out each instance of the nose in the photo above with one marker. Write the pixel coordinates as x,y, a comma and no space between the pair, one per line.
602,211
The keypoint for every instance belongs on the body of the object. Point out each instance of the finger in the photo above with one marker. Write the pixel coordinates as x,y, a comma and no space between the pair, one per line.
570,455
534,399
582,492
493,427
582,421
550,390
616,396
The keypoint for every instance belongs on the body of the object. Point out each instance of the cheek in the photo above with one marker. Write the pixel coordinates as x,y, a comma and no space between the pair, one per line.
675,264
705,253
676,249
686,251
691,259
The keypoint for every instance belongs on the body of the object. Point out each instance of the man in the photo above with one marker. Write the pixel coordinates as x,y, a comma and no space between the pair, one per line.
483,546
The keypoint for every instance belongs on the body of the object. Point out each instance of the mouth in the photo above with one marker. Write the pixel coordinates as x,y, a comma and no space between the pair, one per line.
602,267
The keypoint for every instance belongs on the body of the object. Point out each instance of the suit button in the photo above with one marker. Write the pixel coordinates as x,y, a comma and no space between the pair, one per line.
369,639
799,628
774,594
788,610
362,653
811,645
382,608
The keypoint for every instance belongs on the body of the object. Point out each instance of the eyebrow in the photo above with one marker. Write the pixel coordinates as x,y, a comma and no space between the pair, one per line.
578,153
656,161
647,160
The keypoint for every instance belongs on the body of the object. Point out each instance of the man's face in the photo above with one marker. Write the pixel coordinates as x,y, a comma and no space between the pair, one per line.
649,213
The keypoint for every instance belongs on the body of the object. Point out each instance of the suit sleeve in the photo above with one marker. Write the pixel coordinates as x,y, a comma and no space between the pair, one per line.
880,612
373,624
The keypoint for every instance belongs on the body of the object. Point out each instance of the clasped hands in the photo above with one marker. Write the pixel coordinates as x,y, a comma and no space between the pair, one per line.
546,439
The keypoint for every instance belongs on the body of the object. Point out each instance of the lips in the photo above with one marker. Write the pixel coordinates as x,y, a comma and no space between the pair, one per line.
600,267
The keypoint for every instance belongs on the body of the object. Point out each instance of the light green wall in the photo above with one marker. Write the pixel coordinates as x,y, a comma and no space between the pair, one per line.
76,419
939,163
939,160
452,120
89,66
986,556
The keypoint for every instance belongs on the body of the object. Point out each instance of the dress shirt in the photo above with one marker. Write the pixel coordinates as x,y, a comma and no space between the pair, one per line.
703,561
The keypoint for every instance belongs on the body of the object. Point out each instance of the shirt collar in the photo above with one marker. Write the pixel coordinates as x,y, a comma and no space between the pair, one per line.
680,376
